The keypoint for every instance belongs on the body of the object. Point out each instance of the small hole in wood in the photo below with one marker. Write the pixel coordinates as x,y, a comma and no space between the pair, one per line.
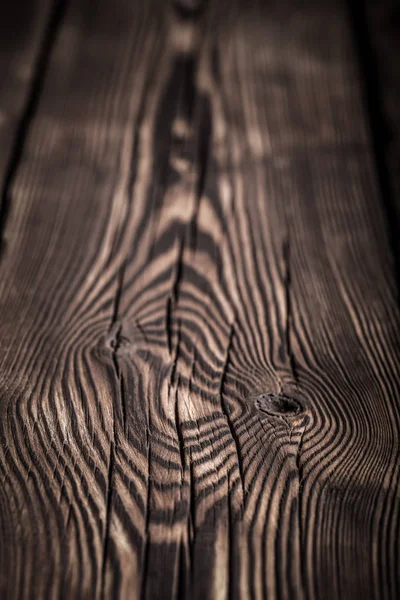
278,404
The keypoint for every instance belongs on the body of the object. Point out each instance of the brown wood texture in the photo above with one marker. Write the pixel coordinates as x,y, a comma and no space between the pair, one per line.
199,382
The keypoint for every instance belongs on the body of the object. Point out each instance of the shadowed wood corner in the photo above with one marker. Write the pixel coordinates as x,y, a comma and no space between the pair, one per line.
199,324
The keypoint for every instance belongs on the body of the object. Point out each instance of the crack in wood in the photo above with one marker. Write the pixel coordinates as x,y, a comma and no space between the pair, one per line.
288,302
108,503
299,468
228,419
117,340
118,295
181,440
146,540
173,297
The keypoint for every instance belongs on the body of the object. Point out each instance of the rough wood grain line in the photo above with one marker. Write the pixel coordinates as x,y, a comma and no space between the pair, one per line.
199,390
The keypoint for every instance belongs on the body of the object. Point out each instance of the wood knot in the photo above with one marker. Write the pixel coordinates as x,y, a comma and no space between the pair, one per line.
278,404
116,341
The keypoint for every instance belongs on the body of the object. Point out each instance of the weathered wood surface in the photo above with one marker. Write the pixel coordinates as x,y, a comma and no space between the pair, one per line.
195,220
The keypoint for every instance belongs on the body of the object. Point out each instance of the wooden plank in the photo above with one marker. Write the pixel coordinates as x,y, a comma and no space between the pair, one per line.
199,389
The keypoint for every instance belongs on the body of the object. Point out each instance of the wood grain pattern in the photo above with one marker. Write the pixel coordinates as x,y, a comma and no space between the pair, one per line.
199,384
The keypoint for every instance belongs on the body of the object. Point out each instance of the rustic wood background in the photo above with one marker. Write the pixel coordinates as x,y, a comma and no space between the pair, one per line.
199,287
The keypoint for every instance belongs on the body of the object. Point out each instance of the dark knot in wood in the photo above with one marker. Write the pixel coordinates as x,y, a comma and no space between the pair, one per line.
278,404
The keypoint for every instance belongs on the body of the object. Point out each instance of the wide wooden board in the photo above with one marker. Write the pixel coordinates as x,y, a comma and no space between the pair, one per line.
199,384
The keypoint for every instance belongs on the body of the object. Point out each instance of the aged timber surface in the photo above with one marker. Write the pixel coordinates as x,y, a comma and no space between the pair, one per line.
199,381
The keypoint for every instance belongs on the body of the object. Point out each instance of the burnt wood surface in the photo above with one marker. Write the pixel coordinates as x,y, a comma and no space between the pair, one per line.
199,325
